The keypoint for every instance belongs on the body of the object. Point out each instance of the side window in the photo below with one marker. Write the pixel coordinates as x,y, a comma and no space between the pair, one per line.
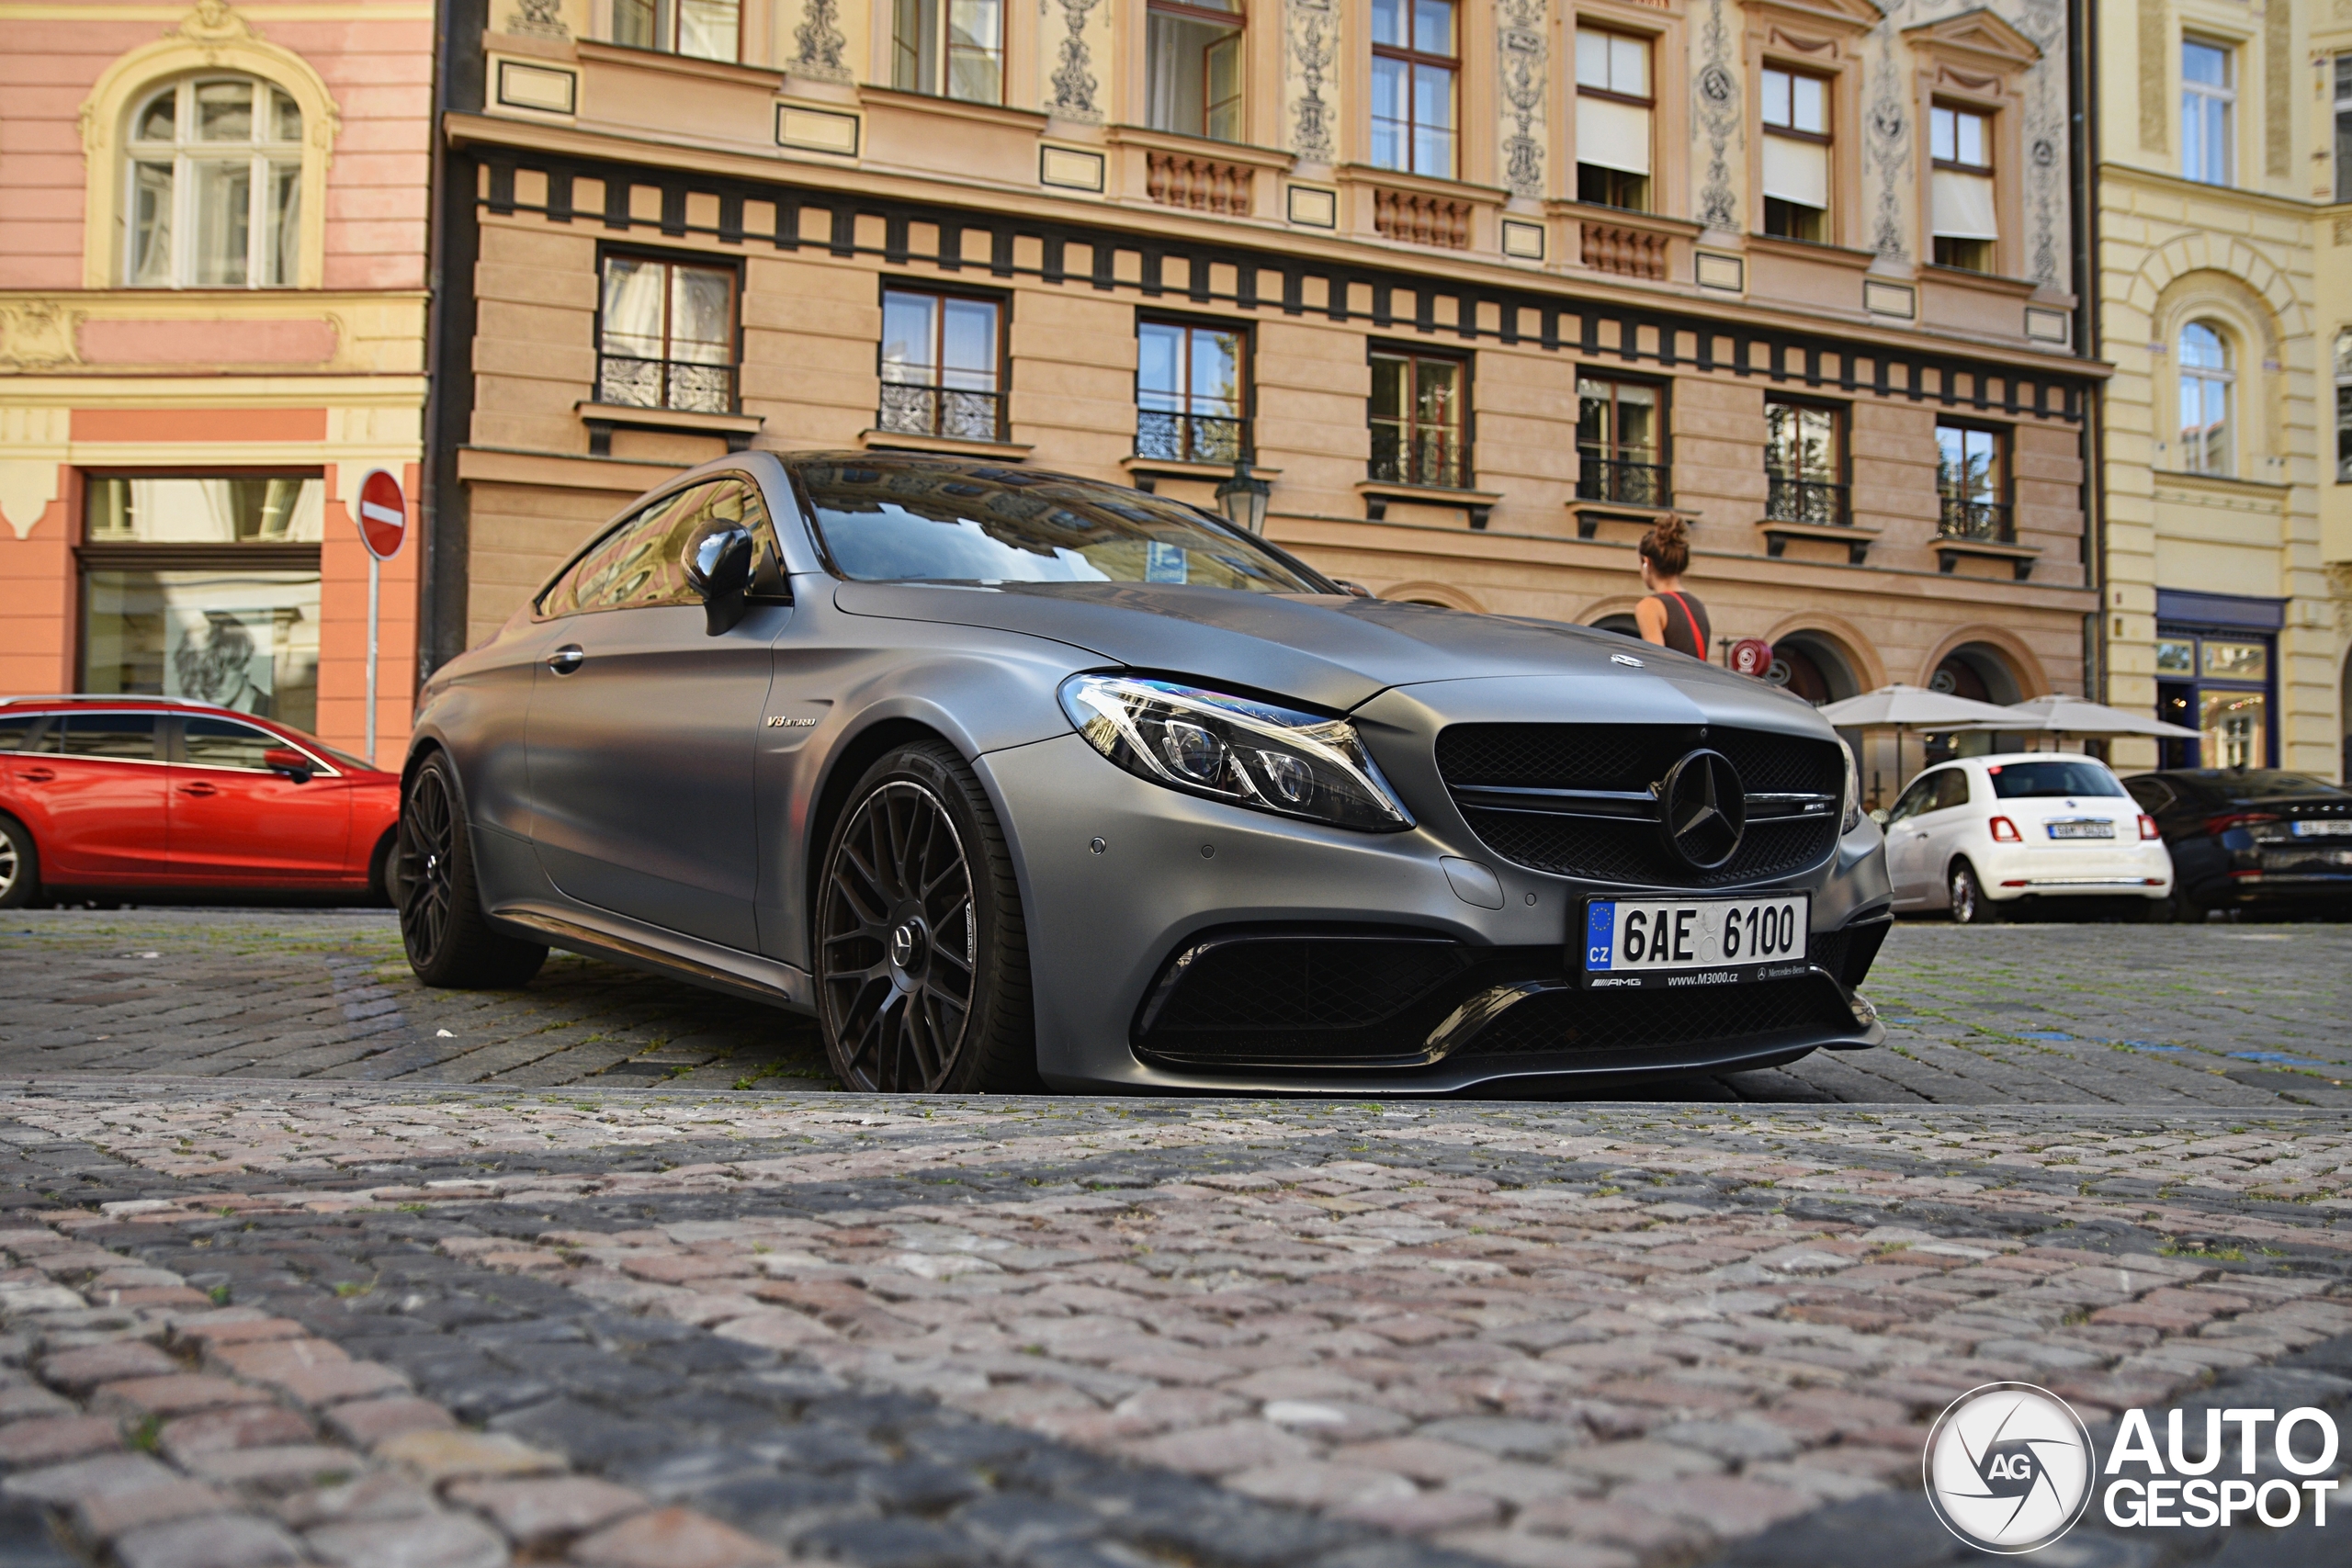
736,503
117,737
621,567
1914,801
1951,789
16,732
225,743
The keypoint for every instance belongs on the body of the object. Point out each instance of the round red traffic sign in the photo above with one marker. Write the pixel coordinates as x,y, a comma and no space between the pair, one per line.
383,515
1751,656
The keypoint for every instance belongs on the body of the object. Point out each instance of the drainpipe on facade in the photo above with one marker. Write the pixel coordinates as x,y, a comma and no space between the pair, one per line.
448,343
2083,155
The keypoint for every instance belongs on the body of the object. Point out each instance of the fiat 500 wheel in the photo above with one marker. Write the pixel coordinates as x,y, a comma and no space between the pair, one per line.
922,963
1969,905
450,941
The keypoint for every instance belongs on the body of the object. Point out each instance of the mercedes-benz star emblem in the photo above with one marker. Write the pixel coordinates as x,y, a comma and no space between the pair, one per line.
902,945
1702,809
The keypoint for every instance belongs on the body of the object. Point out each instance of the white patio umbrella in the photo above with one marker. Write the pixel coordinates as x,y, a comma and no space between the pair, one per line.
2078,716
1900,708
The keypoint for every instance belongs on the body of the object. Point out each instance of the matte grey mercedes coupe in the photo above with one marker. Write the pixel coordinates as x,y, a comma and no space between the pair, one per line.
1016,779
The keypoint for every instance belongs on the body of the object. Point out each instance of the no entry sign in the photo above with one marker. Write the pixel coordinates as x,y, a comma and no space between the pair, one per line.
383,515
1751,656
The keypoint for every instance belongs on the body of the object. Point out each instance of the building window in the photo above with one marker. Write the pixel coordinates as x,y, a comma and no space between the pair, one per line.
1972,480
1612,119
1620,433
1961,188
1420,420
1413,68
2208,100
950,48
213,190
1797,155
2344,128
2205,387
1190,384
941,366
1805,463
1193,68
706,29
667,335
205,588
2344,406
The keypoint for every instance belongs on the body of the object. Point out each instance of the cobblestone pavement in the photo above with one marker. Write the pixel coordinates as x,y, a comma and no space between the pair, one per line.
2158,1015
270,1322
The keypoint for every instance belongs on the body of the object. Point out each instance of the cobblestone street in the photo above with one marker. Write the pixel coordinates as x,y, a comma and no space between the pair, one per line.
608,1274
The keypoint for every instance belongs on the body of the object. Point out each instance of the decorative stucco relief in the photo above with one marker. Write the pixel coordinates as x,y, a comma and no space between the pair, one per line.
1311,43
1718,112
537,19
1519,30
1073,80
1888,148
818,42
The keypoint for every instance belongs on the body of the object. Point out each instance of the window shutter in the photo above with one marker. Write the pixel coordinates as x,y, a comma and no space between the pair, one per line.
1797,171
1613,135
1964,205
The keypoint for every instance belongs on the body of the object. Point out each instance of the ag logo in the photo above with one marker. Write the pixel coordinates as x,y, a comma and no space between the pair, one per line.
2009,1468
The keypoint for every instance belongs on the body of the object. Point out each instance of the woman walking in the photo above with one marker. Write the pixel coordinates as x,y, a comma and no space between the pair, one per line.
1671,616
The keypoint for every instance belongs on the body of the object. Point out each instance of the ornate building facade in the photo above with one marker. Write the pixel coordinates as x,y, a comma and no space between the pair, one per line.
2225,298
212,299
1480,290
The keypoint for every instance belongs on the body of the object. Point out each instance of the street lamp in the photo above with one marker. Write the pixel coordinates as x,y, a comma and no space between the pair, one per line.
1242,498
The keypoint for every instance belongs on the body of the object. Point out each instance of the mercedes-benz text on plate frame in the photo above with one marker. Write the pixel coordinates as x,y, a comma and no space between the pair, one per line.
1681,941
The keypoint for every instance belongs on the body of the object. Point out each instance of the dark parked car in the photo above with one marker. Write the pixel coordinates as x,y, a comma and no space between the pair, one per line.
1009,776
2251,838
119,796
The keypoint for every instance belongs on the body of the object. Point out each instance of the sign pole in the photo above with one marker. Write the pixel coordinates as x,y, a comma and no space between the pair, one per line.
375,601
382,516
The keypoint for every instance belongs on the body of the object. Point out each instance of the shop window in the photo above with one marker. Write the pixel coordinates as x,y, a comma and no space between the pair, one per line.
705,29
1191,390
1961,188
1414,69
941,366
666,337
1796,148
2207,107
1972,482
1805,463
2218,681
1613,103
2207,383
1193,68
204,587
1620,436
950,48
1420,420
212,187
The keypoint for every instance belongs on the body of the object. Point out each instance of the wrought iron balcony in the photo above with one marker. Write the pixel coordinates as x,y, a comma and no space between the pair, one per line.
1805,501
1190,437
665,384
1435,462
1627,484
941,411
1986,522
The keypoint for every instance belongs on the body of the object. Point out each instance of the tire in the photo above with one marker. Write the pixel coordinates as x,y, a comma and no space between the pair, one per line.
19,866
450,941
2181,910
921,956
1969,905
379,867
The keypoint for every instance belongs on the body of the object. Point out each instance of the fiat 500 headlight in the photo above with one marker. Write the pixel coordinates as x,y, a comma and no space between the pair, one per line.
1237,750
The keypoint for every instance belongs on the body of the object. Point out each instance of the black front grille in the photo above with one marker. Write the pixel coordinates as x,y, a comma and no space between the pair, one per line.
1301,982
1849,952
1563,1022
1634,758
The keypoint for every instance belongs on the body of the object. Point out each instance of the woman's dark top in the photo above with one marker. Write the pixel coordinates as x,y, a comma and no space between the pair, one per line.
1687,630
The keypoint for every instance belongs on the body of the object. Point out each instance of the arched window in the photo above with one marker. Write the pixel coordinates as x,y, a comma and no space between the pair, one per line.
212,187
2205,385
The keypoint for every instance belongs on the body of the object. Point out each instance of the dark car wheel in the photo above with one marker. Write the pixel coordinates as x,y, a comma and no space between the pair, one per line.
450,941
921,960
1969,905
19,866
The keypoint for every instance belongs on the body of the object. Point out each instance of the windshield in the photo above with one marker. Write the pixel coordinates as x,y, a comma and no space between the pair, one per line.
340,759
2020,781
914,522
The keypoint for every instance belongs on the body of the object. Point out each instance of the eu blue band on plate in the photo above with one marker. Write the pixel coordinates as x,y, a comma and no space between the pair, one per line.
1600,934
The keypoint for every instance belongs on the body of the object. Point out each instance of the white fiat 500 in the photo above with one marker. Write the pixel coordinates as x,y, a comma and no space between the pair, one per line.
1985,836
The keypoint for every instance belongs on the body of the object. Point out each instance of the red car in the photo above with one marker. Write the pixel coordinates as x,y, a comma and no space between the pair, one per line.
153,795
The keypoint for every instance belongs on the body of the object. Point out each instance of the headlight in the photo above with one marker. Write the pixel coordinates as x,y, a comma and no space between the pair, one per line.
1234,748
1853,818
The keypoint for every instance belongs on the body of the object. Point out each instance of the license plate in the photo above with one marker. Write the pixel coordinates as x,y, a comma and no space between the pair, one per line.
2311,829
1662,942
2082,829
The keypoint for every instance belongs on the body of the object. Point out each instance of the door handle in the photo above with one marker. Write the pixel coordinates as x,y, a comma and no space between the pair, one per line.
199,790
566,659
38,775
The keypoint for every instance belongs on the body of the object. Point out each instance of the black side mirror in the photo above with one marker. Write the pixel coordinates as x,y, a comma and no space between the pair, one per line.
286,760
718,566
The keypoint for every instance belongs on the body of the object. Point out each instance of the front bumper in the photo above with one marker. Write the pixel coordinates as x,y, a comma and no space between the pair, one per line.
1105,924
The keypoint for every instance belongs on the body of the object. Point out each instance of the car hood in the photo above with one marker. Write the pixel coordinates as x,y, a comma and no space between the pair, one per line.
1332,651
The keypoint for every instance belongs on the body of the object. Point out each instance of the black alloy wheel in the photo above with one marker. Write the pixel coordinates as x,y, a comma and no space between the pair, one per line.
922,964
19,866
1969,905
450,941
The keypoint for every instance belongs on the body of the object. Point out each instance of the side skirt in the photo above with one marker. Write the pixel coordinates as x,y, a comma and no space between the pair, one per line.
638,947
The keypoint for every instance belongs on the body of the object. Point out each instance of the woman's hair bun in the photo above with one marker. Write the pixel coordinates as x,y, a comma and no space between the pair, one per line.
1667,546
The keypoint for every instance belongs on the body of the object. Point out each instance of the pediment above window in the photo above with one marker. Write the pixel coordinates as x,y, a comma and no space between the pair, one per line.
1977,38
1841,19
